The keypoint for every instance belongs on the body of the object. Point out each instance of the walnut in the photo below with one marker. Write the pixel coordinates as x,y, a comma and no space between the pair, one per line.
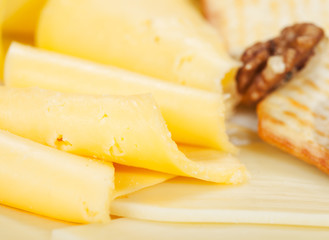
266,65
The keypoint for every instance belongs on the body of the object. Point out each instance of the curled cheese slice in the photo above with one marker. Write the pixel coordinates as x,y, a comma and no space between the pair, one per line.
52,183
127,130
193,116
166,39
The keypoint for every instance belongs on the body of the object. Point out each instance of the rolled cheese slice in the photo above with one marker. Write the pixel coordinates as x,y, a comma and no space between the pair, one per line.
126,130
52,183
193,116
166,39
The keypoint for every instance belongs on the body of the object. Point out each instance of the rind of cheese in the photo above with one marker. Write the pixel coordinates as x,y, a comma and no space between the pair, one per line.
283,190
166,39
53,183
21,16
126,130
193,116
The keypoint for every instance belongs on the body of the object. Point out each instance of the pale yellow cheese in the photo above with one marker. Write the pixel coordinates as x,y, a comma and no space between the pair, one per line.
127,229
166,39
193,116
283,190
127,130
17,225
53,183
21,16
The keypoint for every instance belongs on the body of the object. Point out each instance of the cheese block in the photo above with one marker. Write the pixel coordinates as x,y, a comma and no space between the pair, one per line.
53,183
283,190
166,39
130,179
126,229
193,116
127,130
21,16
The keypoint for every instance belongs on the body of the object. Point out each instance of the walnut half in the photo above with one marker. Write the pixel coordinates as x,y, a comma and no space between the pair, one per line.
266,65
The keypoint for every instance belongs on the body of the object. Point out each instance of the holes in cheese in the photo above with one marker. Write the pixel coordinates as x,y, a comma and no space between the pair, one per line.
193,116
135,134
166,39
43,180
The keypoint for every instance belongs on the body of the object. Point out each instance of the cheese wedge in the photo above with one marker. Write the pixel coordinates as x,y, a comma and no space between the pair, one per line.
21,16
193,116
245,22
283,190
126,130
166,39
52,183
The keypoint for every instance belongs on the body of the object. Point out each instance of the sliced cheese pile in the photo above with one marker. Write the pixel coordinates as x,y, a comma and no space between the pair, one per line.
53,183
166,39
126,130
193,116
283,190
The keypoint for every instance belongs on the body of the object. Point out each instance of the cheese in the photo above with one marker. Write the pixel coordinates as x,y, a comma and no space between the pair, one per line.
131,179
283,190
193,116
126,229
21,16
52,183
166,39
125,130
16,225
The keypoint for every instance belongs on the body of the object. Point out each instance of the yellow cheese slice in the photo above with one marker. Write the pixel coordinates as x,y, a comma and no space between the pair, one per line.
166,39
193,116
17,225
21,16
283,190
127,229
130,179
127,130
53,183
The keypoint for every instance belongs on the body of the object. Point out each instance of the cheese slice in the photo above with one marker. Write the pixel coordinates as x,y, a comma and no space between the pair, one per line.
126,229
52,183
283,190
16,225
166,39
130,179
125,130
21,16
193,116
